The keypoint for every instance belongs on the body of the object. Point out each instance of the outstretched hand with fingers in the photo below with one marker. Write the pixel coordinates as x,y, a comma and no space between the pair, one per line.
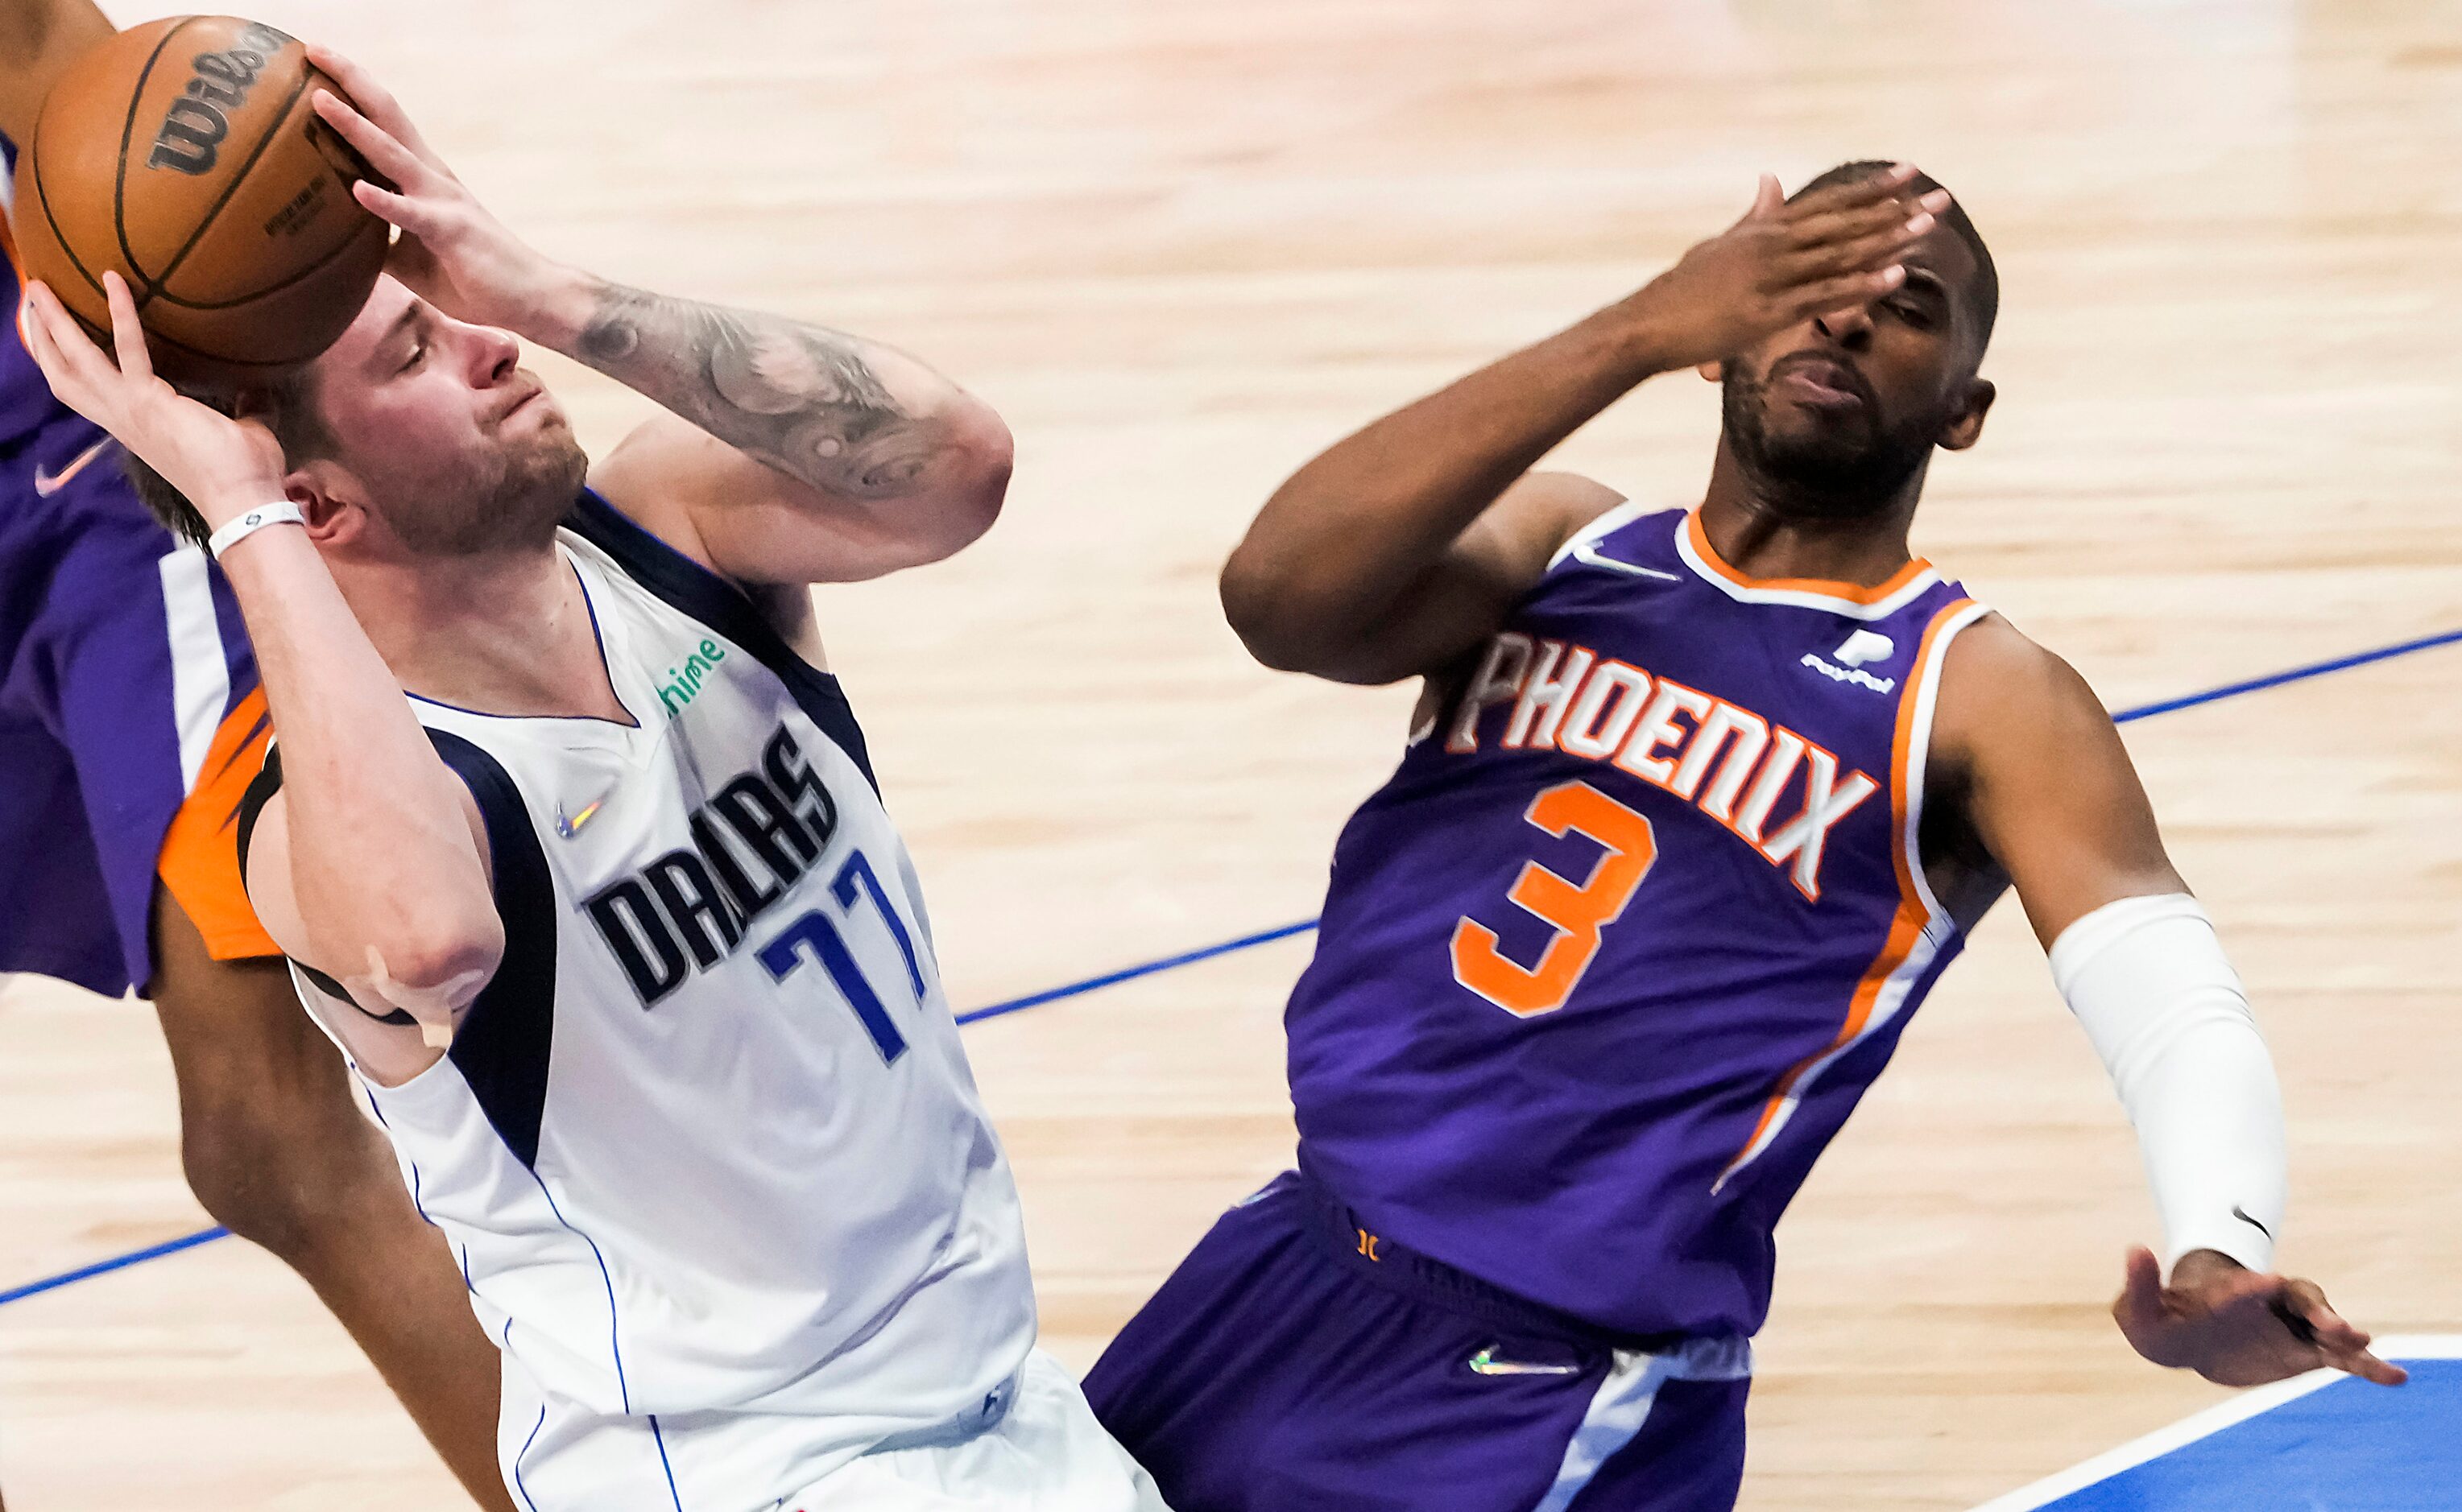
224,466
452,251
2237,1327
1782,263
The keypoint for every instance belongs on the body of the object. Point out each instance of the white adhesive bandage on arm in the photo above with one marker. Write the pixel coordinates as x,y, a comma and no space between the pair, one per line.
2148,979
438,1009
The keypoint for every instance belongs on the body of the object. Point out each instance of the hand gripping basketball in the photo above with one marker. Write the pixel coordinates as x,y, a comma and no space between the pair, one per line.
226,467
452,252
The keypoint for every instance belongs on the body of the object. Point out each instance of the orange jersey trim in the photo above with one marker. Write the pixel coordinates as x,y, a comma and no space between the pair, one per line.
200,860
1852,593
1906,928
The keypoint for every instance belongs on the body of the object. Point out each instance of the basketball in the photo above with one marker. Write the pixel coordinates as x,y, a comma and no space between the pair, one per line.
185,155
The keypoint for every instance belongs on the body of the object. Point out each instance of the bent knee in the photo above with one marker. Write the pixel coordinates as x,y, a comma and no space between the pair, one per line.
287,1177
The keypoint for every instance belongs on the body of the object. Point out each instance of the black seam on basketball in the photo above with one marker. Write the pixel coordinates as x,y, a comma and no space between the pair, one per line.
281,119
155,338
43,198
119,168
308,271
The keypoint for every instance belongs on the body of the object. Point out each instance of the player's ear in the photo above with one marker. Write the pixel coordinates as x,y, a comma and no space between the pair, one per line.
1966,427
1713,372
331,520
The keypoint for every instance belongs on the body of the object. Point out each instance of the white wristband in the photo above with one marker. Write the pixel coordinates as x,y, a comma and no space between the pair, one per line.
280,512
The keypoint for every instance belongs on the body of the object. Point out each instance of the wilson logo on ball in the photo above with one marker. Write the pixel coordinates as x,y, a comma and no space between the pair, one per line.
195,125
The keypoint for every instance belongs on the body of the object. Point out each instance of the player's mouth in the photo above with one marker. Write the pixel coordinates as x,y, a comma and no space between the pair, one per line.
529,397
1820,382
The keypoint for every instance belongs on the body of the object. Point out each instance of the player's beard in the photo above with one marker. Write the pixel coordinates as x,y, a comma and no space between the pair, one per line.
1851,466
533,485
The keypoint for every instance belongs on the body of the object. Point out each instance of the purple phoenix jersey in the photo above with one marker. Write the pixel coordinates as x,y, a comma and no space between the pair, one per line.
1612,955
25,402
121,655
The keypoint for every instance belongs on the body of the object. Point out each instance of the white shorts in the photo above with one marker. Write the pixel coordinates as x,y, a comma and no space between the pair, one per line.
1047,1453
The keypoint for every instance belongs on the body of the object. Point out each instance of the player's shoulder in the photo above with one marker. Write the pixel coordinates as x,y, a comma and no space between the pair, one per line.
646,480
1999,683
1540,514
1561,505
1991,650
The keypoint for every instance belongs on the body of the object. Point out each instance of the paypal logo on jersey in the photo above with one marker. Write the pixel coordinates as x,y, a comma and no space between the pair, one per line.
1851,657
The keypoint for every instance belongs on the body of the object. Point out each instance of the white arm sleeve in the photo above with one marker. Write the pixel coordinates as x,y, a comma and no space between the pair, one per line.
2148,979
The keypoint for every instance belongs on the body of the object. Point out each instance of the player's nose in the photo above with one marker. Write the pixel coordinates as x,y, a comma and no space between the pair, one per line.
494,355
1850,328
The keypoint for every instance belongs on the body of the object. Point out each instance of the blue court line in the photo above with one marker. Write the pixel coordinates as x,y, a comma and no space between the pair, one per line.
1244,942
2294,675
1132,973
104,1267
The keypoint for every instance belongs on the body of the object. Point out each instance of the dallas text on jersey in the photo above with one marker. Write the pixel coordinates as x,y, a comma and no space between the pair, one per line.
696,900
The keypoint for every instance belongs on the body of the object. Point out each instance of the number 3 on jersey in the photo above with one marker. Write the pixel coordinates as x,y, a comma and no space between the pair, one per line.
1579,912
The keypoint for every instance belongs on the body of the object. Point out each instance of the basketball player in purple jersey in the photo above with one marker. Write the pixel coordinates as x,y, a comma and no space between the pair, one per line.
131,722
1698,806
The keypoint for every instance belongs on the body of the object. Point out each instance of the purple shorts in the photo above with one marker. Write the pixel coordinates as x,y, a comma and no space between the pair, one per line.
1297,1361
121,658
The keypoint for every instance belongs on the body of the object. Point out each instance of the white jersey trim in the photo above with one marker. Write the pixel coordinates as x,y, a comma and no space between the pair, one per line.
199,673
1605,525
1938,928
1926,693
1905,593
1621,1407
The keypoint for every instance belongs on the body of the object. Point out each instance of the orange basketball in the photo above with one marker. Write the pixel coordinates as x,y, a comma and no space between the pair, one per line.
185,155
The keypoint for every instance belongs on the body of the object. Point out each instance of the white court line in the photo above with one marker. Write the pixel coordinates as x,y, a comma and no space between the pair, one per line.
2213,1420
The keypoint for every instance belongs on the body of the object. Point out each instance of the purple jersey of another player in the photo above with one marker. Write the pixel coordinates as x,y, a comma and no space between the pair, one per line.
1612,955
122,660
25,402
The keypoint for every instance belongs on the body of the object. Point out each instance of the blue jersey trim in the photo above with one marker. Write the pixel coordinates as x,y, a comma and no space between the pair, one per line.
522,1453
686,585
660,1439
597,639
528,1499
615,1334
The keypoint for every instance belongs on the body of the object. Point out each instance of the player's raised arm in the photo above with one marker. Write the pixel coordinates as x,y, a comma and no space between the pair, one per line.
372,872
810,456
38,40
2051,795
1403,544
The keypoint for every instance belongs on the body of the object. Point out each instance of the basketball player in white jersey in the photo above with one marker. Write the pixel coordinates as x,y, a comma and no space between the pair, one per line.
606,912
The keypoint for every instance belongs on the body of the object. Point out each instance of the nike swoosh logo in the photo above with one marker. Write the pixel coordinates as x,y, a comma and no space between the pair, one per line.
569,827
1588,552
46,485
2240,1214
1485,1363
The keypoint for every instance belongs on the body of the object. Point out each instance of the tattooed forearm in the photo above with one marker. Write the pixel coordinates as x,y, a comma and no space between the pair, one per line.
802,399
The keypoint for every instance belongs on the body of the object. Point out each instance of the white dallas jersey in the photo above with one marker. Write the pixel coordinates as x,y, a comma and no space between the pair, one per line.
707,1147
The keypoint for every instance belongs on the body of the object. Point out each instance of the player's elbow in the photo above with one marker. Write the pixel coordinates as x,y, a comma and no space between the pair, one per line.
445,952
1266,605
990,459
977,462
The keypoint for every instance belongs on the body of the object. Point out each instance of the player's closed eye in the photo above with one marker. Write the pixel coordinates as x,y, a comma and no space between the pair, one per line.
416,353
1913,312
